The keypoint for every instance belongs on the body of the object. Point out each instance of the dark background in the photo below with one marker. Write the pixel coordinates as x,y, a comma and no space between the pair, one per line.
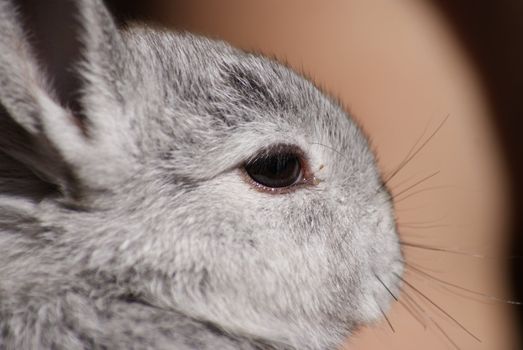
492,32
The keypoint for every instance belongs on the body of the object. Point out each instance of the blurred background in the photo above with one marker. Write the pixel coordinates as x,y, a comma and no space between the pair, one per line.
443,77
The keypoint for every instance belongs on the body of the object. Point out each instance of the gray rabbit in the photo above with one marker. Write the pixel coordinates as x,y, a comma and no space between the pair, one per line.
188,196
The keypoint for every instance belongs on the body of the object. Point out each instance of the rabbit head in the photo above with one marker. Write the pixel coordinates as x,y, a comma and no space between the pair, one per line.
195,177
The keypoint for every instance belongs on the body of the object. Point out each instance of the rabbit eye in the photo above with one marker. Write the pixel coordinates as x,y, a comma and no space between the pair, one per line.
276,170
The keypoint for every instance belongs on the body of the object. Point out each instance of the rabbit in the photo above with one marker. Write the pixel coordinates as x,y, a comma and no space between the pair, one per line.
187,195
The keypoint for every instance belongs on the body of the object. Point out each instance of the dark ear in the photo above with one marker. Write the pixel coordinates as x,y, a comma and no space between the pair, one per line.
70,132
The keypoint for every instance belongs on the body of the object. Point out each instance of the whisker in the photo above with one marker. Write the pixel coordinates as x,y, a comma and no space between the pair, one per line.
403,182
408,195
404,161
411,312
461,294
437,307
417,183
410,298
432,221
330,148
415,309
406,307
387,319
412,153
453,291
442,331
385,286
418,140
421,227
440,249
434,278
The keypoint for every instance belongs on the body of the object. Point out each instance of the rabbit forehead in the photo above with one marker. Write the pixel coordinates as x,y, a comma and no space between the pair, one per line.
207,101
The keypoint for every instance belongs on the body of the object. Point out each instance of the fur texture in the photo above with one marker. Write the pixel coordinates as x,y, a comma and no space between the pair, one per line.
127,223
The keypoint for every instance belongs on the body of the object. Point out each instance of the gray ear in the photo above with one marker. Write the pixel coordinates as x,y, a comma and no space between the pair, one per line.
73,140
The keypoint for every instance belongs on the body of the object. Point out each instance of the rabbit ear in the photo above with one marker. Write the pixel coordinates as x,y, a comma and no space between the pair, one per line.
74,140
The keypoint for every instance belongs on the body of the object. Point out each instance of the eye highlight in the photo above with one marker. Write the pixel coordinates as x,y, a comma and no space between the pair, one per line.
278,169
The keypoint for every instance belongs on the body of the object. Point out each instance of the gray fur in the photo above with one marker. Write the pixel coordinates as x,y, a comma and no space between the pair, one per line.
133,228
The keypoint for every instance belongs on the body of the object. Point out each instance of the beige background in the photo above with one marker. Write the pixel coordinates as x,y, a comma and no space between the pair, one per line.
400,70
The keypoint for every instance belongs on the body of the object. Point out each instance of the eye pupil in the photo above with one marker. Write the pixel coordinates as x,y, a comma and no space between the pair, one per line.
275,170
